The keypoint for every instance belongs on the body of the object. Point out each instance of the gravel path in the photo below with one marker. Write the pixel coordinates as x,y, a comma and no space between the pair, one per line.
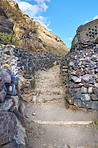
50,124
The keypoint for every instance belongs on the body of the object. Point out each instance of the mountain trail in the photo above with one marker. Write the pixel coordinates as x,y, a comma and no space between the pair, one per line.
52,125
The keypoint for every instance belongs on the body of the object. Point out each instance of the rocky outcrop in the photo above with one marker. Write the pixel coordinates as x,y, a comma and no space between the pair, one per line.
80,72
51,42
5,25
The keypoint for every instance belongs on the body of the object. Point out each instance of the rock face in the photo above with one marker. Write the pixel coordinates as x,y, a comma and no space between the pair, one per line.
5,25
12,134
80,66
51,42
31,34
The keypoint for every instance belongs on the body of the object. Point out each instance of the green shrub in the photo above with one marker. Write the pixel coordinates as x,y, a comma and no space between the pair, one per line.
8,38
95,122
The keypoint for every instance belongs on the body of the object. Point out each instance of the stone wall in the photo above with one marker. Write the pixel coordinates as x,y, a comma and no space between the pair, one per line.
80,73
86,33
23,62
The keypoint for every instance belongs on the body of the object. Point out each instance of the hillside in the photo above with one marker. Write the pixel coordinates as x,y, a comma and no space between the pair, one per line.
29,33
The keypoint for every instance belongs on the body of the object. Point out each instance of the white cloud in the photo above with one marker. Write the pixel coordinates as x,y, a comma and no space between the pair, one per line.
69,39
35,10
31,10
43,20
42,1
96,17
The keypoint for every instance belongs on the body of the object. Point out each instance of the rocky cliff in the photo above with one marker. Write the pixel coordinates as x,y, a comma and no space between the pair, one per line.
26,32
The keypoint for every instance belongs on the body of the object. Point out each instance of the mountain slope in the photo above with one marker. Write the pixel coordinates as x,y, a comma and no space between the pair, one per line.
31,34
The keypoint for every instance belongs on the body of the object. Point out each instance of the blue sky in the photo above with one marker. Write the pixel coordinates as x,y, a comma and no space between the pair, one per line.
62,17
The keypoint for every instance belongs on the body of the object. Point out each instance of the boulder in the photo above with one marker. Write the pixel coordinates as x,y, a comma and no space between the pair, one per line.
12,134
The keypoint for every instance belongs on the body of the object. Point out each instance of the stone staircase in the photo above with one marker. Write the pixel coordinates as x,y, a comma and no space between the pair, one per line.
50,123
48,85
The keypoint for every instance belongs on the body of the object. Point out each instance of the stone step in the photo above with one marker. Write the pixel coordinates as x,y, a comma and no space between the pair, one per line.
51,109
49,97
63,122
65,134
93,145
50,92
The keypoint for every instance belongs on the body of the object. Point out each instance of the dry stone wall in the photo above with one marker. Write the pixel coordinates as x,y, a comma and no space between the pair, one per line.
80,67
21,61
86,33
23,64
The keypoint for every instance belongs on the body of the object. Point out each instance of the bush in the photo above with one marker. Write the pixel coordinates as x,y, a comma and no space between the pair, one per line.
96,122
8,38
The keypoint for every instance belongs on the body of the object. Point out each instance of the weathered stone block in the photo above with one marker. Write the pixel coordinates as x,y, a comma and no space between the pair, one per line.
71,63
77,95
64,70
85,97
94,97
90,90
96,85
95,90
83,89
76,79
88,105
78,102
65,67
94,105
86,79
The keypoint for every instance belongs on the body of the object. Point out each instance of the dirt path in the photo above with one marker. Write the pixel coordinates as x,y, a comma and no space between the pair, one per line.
51,125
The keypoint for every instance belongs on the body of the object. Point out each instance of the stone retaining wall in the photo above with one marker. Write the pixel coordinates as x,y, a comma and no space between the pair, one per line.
22,61
80,72
23,64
